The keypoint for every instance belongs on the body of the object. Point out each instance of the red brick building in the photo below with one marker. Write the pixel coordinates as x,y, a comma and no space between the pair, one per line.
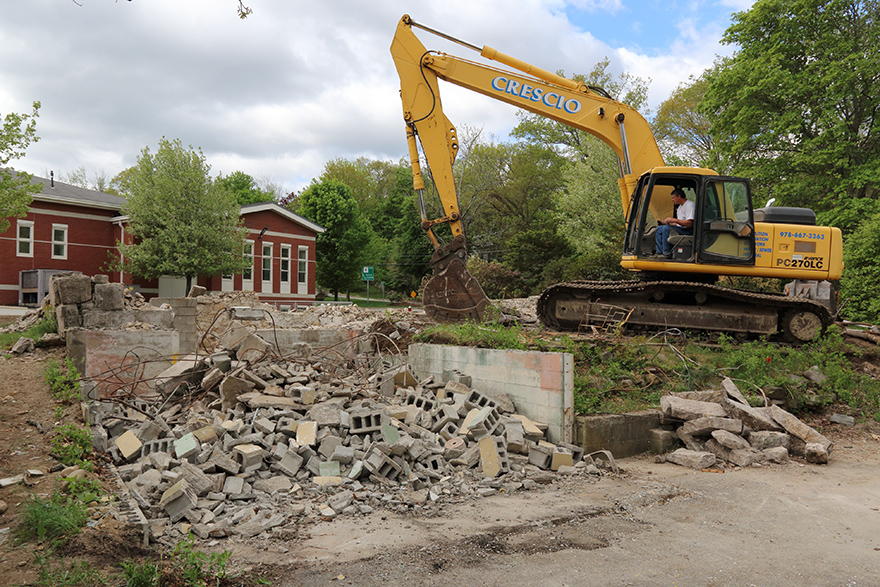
68,228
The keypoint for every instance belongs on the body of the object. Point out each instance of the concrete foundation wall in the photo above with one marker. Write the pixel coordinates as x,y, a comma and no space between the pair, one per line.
541,385
343,342
624,435
117,358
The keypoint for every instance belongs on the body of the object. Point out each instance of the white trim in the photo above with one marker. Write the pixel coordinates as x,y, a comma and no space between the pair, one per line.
281,234
282,211
266,284
29,224
302,285
64,243
282,259
8,287
248,284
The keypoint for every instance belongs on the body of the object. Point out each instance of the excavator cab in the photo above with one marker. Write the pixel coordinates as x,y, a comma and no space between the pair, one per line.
723,230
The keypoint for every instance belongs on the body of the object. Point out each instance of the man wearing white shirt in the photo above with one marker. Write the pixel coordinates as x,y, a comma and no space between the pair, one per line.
683,223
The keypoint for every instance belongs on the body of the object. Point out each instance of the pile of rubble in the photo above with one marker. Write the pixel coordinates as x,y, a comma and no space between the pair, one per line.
243,441
722,426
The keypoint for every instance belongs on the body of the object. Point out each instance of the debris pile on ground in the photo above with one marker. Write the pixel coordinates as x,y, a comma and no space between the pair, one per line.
722,426
243,441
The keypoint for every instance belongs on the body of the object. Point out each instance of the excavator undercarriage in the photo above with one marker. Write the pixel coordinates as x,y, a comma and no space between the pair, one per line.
686,305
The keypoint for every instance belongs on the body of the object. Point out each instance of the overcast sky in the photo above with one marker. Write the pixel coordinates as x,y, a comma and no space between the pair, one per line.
299,83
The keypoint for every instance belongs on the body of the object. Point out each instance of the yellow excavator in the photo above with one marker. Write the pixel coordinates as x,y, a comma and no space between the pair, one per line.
725,236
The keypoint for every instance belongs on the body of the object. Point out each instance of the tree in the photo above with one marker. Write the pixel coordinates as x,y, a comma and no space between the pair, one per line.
684,130
16,191
183,223
371,182
799,101
340,249
244,189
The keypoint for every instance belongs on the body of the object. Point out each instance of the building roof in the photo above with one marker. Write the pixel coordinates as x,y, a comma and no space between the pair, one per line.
278,209
62,193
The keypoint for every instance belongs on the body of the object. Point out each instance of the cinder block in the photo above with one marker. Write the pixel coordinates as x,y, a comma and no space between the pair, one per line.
540,455
187,446
367,422
128,445
250,456
561,458
306,433
178,500
493,456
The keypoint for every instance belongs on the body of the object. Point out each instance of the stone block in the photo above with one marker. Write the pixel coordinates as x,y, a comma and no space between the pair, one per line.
764,439
232,387
705,426
797,428
663,441
776,454
686,409
67,317
289,464
743,457
750,416
109,296
273,484
253,348
730,440
70,288
691,459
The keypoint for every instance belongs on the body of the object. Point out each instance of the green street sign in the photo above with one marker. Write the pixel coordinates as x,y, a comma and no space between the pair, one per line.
367,274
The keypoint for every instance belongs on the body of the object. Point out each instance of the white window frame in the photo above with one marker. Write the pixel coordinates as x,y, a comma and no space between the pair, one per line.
62,243
227,283
284,273
29,224
302,271
266,283
247,277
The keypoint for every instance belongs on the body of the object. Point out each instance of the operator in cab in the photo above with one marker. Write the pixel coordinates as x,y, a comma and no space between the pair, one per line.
683,223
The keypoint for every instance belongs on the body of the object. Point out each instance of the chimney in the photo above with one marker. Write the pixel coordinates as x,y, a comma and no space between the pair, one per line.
52,179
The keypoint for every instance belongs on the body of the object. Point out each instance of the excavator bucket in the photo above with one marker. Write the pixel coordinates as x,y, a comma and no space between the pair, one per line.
452,294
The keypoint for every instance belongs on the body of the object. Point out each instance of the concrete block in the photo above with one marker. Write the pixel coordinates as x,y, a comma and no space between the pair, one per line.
233,485
624,435
367,422
743,457
328,445
189,369
325,481
705,426
662,441
205,434
777,454
67,317
750,416
177,500
798,429
424,403
561,458
493,456
306,433
250,456
200,483
265,425
128,445
329,469
379,464
253,348
289,464
187,446
541,456
764,439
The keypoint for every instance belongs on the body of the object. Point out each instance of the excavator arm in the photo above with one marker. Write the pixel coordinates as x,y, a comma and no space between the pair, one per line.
452,294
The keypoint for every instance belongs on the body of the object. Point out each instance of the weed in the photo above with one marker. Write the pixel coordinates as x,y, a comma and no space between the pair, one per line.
58,412
63,381
53,519
79,574
195,566
72,445
84,490
144,574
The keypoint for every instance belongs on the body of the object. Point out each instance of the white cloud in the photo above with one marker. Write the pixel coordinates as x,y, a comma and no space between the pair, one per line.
280,93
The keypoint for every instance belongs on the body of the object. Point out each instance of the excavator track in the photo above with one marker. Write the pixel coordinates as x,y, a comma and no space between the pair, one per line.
575,305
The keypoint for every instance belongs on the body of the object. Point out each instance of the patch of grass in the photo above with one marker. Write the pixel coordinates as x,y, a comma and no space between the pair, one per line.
78,574
63,380
46,325
72,445
54,519
487,336
84,490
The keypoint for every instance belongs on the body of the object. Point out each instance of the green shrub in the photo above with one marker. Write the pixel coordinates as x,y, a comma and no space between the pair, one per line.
72,445
498,281
196,566
144,574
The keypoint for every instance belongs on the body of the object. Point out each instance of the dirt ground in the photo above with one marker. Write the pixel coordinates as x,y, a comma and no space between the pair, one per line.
652,524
